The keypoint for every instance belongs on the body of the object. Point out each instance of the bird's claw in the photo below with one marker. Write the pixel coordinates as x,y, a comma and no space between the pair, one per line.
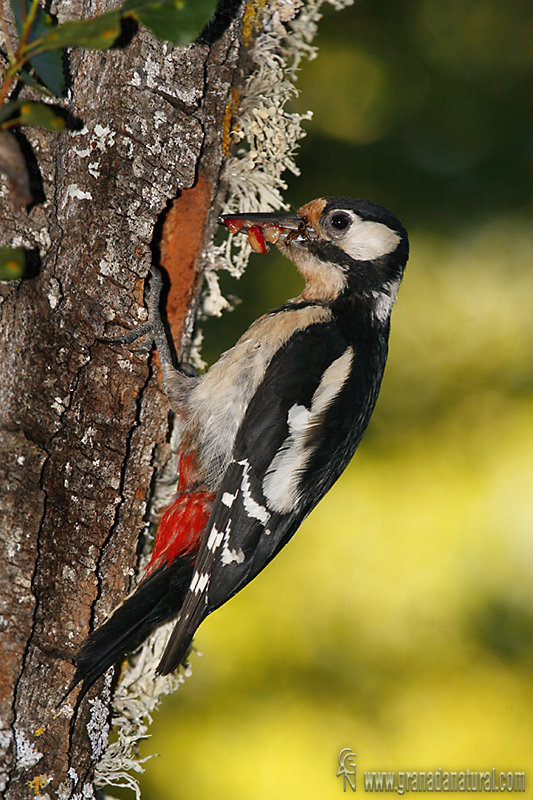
154,332
153,324
128,338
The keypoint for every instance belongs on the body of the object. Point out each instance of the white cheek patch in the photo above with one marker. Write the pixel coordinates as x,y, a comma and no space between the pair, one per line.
281,483
366,241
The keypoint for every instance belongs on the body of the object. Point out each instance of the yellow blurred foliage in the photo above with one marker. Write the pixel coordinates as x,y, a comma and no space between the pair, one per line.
399,621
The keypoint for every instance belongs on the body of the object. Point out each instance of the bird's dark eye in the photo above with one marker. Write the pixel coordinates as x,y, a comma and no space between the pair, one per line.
340,221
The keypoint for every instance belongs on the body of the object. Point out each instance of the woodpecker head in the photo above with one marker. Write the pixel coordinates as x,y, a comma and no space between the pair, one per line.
342,246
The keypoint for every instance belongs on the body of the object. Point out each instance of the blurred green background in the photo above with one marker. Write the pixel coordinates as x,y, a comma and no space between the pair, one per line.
398,622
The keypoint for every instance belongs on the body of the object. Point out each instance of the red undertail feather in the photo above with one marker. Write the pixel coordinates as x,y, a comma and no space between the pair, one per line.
181,526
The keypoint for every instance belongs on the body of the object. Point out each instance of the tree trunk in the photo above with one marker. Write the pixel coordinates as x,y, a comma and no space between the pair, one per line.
85,425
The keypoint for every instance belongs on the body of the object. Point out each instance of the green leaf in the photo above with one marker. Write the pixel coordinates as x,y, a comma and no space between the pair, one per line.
177,21
48,66
12,263
40,115
96,33
20,12
8,109
28,79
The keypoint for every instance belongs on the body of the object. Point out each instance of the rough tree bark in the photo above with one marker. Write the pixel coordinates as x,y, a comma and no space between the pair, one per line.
84,426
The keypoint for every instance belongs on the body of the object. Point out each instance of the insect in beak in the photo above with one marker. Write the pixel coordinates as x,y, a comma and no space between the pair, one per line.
265,229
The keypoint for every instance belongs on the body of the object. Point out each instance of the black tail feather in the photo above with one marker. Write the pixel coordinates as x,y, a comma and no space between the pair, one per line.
156,600
181,638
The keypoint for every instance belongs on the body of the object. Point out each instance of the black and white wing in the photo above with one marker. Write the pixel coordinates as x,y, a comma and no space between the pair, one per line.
298,434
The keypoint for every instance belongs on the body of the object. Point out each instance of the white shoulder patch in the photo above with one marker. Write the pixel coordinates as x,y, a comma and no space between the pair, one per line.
281,482
298,418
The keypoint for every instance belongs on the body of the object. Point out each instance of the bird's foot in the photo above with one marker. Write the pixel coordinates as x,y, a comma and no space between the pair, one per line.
153,327
153,330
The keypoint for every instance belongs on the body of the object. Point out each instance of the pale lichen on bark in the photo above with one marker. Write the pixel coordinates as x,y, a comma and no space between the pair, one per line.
84,426
267,133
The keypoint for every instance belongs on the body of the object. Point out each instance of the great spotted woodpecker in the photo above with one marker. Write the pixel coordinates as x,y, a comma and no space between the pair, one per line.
270,427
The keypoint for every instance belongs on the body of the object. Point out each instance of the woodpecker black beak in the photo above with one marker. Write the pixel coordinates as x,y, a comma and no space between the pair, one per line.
271,228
